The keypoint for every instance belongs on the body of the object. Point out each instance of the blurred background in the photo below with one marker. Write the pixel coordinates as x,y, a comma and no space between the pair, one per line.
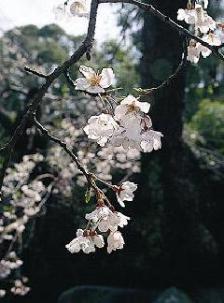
174,248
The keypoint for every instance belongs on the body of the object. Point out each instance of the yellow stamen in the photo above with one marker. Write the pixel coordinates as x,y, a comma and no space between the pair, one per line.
132,108
95,79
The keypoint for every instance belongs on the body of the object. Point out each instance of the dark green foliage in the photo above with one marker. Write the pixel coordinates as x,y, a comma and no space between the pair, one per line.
208,123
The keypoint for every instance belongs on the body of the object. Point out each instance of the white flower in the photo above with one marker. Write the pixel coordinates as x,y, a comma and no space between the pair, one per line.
94,83
2,293
213,40
197,49
31,193
115,241
134,131
85,241
136,134
101,128
129,108
151,140
203,22
19,288
4,270
193,53
197,16
187,15
79,8
112,222
205,3
127,137
105,219
98,241
98,214
80,243
119,219
125,192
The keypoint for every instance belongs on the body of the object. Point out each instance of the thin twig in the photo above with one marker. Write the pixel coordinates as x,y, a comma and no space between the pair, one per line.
171,78
35,72
90,177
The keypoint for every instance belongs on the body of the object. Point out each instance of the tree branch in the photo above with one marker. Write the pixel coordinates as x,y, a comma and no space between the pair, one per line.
35,72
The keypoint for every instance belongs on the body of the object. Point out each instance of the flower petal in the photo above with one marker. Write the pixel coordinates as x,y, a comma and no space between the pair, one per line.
87,71
107,77
81,84
95,90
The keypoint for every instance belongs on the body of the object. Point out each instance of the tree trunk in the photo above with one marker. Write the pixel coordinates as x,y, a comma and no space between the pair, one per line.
166,193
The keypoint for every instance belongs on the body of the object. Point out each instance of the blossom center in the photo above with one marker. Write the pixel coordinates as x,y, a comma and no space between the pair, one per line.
95,80
132,108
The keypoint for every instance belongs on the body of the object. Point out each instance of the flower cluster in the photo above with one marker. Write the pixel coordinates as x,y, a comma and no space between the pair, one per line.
128,126
22,201
204,27
105,220
20,288
8,264
102,220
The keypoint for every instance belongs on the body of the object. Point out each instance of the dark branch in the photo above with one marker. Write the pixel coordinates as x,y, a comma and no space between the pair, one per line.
35,72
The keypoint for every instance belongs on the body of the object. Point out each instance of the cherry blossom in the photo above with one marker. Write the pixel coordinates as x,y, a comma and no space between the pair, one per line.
2,293
212,39
79,9
205,3
98,214
151,140
136,134
197,49
198,17
101,128
129,137
106,219
20,288
112,222
85,241
94,82
4,270
203,26
125,192
129,108
115,241
203,22
187,15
